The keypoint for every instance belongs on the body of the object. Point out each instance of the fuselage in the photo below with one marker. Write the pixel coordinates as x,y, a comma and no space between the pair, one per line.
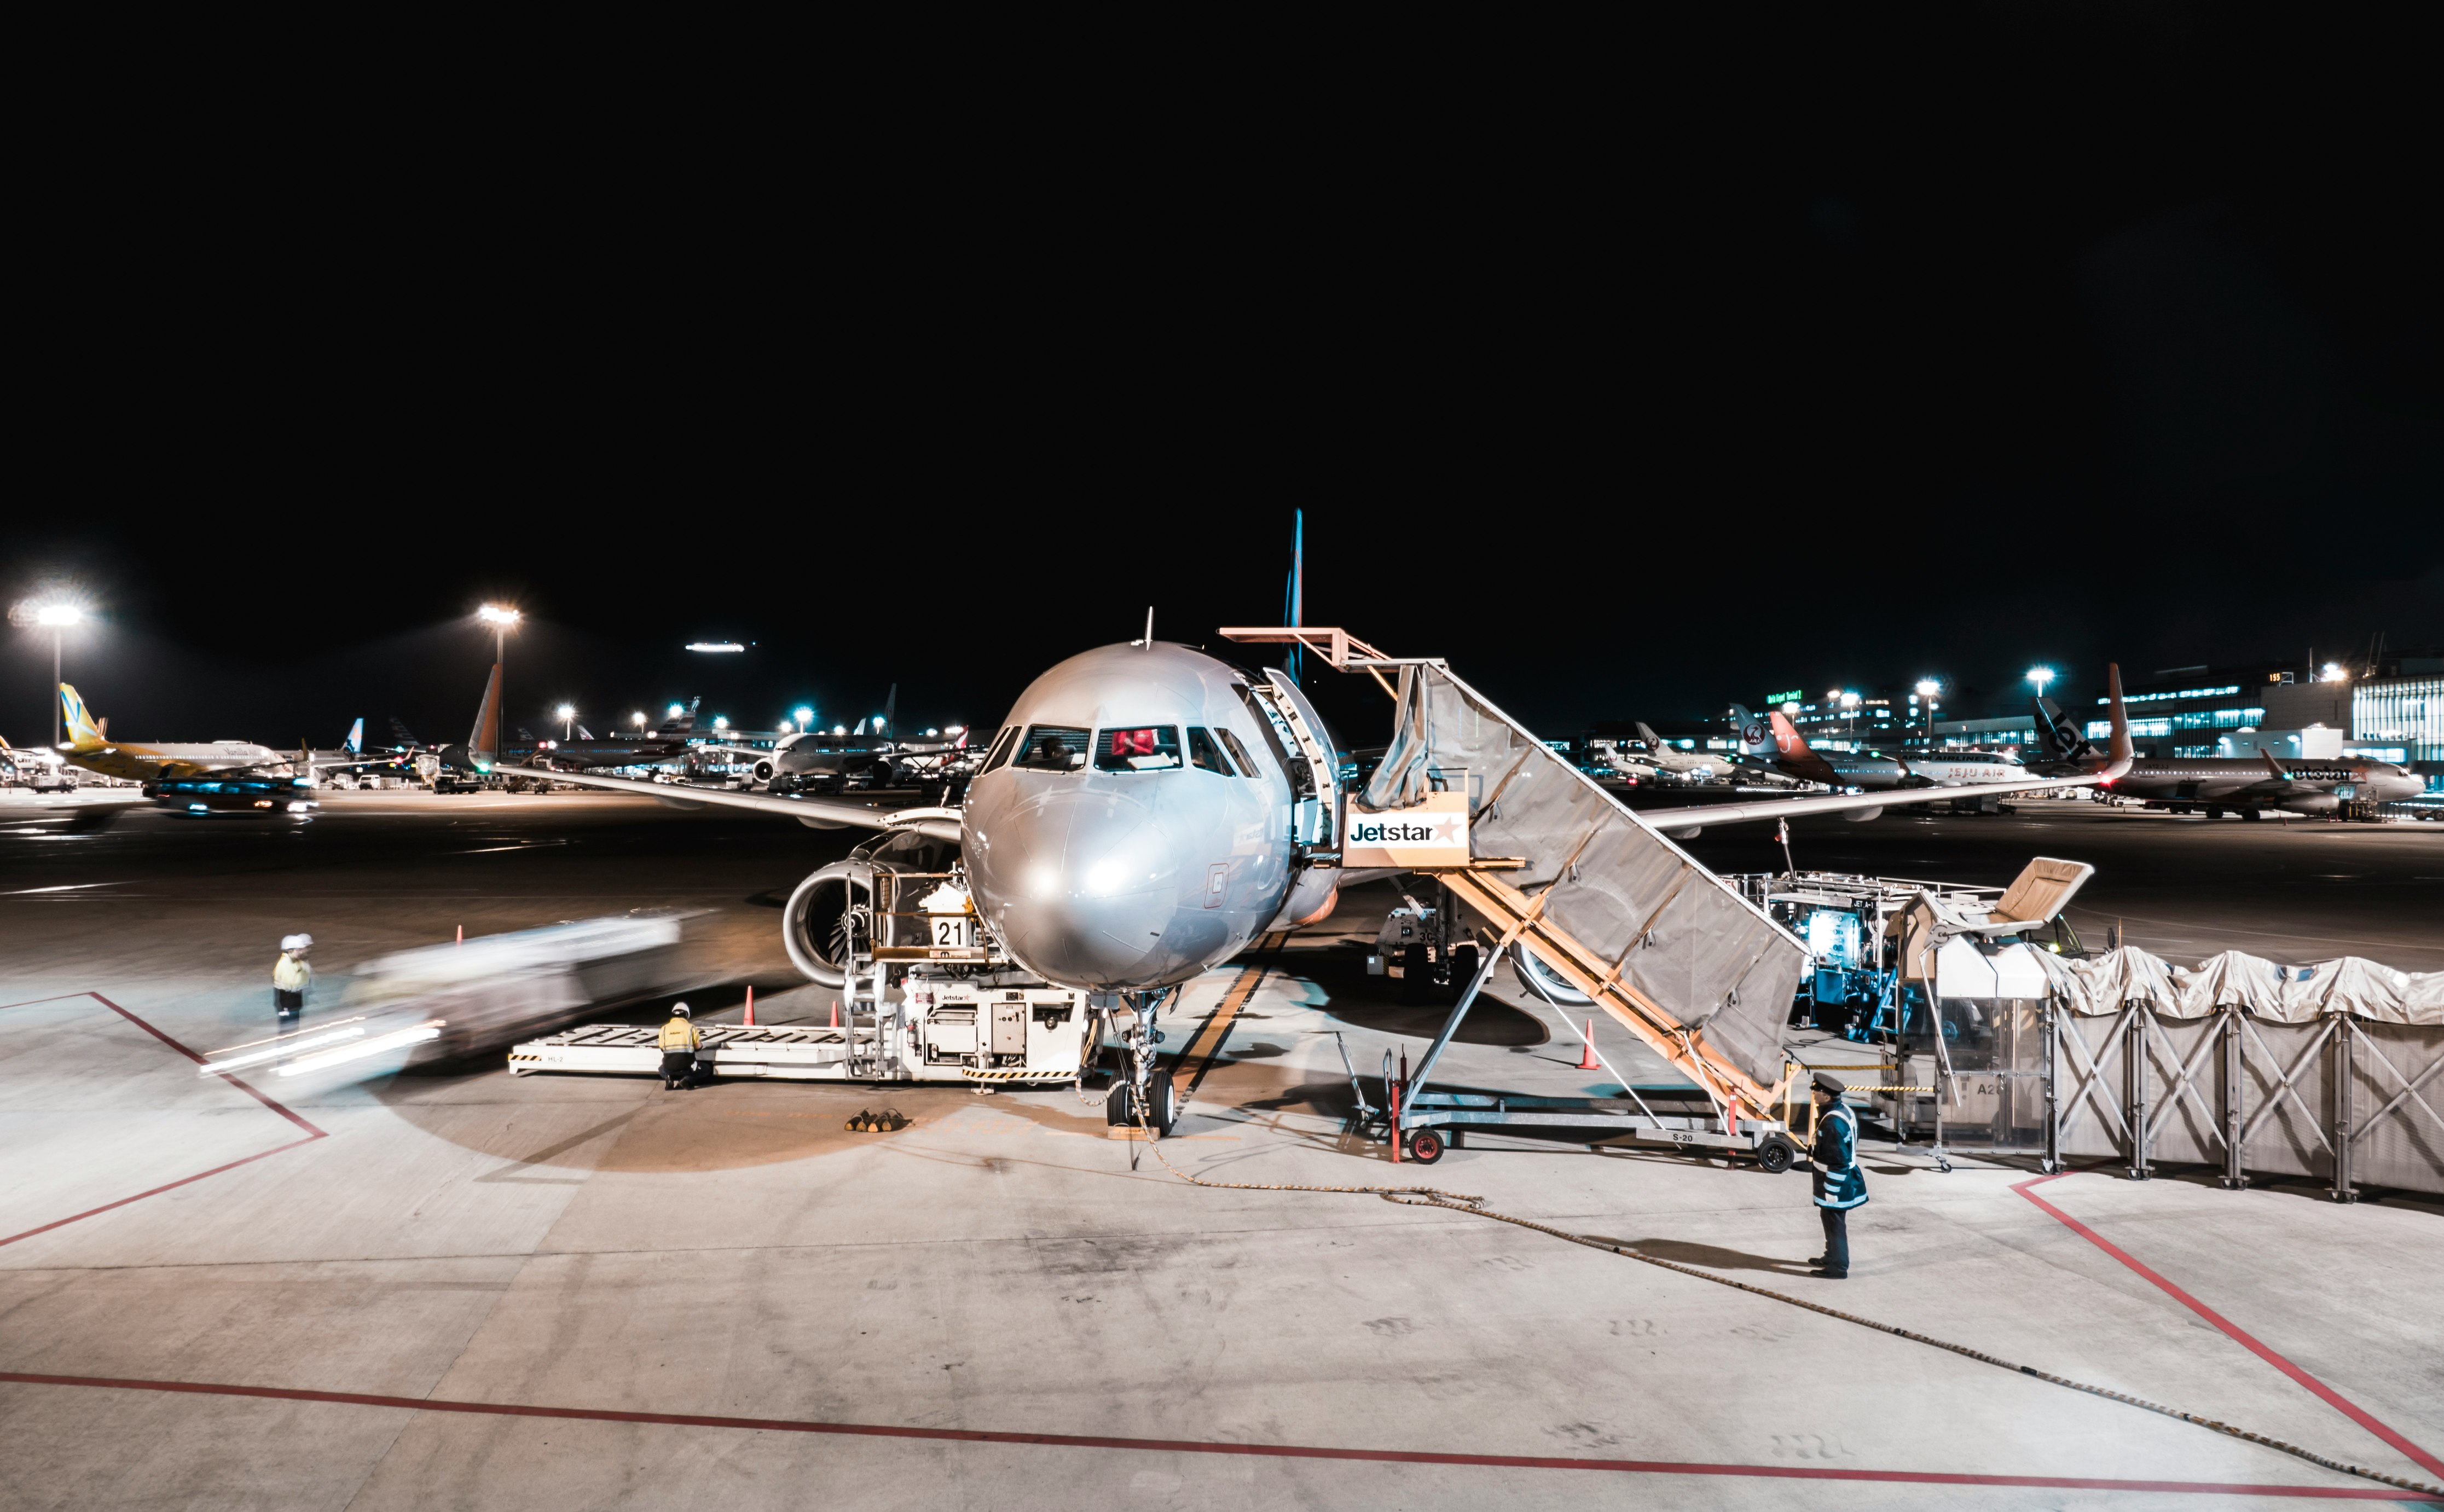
1964,769
1133,823
2306,786
135,763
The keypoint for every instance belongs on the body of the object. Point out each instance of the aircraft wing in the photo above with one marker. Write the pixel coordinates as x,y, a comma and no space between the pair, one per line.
815,813
1673,820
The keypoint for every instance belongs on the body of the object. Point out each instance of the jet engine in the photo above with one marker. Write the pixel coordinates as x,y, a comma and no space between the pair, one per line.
826,912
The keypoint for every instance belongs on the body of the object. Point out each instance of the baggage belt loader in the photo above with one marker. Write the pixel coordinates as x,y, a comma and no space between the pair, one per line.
926,996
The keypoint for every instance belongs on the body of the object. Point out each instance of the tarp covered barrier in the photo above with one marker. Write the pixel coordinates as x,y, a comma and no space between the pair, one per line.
1678,934
2290,994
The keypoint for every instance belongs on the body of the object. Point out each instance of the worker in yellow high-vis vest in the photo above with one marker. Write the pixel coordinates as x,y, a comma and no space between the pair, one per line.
679,1041
289,975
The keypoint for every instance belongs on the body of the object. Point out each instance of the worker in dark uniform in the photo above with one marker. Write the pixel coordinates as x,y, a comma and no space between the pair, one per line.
1840,1183
289,975
680,1042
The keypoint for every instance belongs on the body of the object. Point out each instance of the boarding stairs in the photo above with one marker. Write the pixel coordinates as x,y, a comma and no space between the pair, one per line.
1673,953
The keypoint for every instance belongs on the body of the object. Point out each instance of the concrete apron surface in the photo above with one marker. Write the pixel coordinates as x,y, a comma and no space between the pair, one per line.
470,1290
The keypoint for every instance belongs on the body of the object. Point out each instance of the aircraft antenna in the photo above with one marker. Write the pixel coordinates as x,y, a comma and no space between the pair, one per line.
1148,641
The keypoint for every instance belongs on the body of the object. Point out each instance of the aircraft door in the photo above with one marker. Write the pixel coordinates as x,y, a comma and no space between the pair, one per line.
1318,812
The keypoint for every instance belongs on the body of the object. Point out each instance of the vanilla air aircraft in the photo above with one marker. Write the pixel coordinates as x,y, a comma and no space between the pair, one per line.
89,746
1145,811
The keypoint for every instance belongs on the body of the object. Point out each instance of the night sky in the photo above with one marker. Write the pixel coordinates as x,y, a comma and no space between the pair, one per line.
1721,366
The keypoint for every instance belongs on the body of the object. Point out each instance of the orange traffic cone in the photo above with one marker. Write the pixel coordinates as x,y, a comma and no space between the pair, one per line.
835,1015
751,1006
1587,1057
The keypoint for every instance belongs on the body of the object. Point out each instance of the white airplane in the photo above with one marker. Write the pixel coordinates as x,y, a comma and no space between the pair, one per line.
1145,811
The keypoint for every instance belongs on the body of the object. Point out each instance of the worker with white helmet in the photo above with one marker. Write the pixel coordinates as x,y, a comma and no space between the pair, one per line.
680,1042
289,975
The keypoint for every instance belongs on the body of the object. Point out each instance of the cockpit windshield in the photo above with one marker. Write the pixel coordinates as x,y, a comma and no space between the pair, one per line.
1053,748
1146,748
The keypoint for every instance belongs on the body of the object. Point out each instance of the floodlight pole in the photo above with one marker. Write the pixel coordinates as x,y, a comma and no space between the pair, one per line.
57,631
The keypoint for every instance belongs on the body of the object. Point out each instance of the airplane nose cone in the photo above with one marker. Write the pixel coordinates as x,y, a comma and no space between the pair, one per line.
1082,885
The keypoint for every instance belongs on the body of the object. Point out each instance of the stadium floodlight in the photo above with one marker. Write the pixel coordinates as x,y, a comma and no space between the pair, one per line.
2041,675
638,719
674,711
954,729
930,732
715,645
719,722
839,729
492,614
58,615
806,717
566,714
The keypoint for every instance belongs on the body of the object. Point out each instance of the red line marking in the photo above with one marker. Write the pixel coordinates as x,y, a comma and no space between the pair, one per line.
312,1134
2332,1398
1294,1451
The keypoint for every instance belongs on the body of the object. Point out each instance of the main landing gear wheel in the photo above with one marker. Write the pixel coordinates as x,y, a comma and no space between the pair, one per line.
1773,1156
1425,1146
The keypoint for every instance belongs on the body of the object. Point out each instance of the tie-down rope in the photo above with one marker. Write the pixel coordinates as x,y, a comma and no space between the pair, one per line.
1474,1207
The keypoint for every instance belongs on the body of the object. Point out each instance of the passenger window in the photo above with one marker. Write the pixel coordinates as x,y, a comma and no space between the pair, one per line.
1247,766
1204,754
1003,744
1145,748
1053,748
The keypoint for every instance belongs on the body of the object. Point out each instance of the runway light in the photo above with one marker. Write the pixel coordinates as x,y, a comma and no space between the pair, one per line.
428,1030
496,614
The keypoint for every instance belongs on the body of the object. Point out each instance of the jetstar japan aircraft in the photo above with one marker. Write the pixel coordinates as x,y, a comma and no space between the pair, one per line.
1144,812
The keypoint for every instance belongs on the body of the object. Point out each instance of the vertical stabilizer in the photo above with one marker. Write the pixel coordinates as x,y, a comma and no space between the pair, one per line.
81,731
891,705
1797,757
356,745
1654,742
2119,750
1754,735
484,741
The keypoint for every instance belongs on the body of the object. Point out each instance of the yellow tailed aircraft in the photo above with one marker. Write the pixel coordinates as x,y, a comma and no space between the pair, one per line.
90,746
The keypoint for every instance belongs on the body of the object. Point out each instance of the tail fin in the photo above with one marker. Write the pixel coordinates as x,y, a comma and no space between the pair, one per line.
405,736
1654,742
484,741
1798,758
82,732
355,743
2118,748
1754,735
891,705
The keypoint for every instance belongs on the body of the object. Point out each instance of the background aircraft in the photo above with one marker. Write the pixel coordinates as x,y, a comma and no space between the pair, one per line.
90,746
2218,784
1771,742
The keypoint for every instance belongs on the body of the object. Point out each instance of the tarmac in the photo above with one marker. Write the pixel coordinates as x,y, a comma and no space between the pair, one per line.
457,1289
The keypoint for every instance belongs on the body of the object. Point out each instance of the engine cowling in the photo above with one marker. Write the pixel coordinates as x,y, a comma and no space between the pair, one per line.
816,921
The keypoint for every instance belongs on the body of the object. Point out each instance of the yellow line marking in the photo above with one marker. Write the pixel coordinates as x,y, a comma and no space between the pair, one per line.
1194,1059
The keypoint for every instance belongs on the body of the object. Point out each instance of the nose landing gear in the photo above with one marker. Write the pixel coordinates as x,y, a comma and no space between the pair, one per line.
1143,1095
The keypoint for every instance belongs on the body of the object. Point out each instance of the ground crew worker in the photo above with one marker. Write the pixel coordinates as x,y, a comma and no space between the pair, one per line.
1840,1183
680,1042
289,975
